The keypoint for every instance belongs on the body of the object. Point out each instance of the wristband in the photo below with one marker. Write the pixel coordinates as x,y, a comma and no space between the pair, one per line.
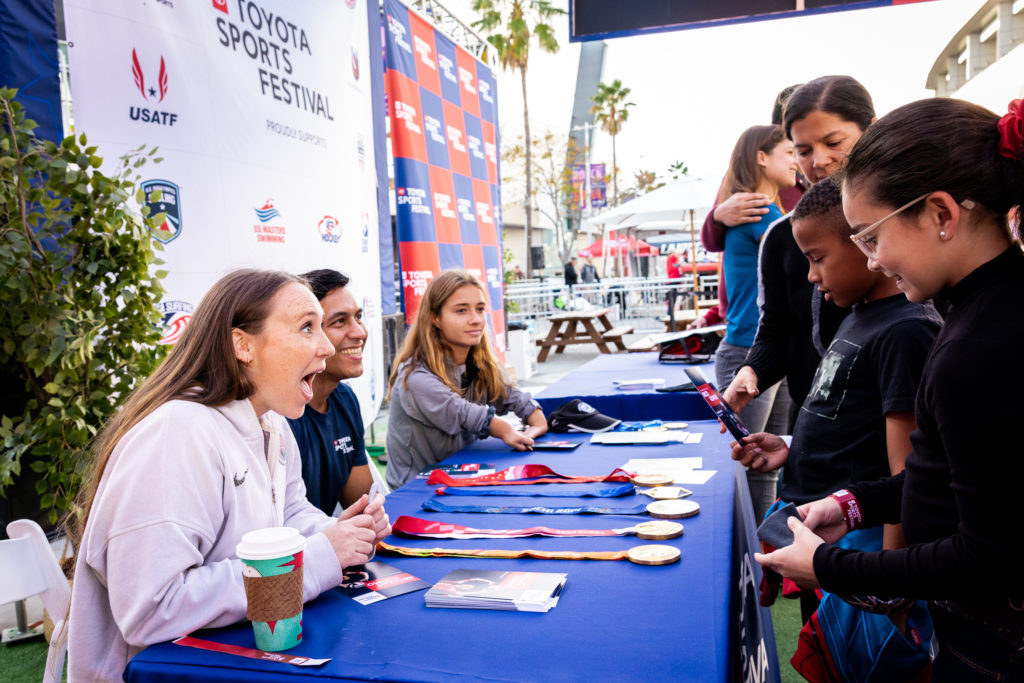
851,509
485,430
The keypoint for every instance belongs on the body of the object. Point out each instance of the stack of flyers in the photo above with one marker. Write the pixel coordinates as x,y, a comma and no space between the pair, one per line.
510,591
376,581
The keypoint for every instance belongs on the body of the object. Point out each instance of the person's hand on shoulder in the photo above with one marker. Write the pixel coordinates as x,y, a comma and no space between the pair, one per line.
761,451
742,207
353,537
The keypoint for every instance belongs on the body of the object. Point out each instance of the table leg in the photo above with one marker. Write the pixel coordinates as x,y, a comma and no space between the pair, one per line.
568,335
595,336
549,340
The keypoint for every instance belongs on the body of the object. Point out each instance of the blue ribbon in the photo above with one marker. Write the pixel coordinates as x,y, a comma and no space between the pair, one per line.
436,506
559,492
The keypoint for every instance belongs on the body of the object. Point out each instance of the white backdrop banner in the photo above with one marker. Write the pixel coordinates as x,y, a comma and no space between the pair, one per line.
262,114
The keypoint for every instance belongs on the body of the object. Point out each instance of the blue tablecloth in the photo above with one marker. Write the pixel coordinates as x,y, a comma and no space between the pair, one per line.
592,382
616,621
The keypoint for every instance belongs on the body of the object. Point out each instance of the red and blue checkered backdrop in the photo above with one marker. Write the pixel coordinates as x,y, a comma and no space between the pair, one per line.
444,137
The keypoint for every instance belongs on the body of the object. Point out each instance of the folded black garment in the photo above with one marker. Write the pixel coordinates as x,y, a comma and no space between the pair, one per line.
774,530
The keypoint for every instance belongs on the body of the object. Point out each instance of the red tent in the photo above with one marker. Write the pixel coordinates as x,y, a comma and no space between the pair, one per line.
633,245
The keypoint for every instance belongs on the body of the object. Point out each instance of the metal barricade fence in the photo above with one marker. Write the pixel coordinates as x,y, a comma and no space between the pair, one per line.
629,298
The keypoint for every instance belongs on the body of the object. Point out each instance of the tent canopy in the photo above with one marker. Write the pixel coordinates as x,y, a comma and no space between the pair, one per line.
670,202
619,245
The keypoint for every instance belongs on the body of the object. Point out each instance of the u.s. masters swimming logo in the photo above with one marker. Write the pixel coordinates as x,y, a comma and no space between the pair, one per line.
169,204
269,230
176,315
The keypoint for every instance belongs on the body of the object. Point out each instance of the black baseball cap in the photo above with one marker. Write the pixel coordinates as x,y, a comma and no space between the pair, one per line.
578,416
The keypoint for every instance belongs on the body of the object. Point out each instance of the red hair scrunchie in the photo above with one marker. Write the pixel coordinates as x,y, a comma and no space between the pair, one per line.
1011,131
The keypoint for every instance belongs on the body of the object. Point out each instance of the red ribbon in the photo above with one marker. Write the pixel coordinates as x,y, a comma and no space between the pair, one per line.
1011,131
414,526
524,474
249,652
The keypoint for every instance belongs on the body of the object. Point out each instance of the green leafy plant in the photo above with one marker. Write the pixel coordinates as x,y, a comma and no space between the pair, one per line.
78,315
508,275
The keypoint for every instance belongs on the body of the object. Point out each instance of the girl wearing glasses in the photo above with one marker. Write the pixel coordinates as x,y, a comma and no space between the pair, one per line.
928,190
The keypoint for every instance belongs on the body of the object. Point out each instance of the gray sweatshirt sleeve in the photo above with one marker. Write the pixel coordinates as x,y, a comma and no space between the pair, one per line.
434,403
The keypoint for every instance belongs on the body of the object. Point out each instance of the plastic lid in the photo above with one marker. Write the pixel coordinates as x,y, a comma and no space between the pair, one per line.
270,543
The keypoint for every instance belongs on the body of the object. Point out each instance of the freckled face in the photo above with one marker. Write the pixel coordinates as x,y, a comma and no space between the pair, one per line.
287,353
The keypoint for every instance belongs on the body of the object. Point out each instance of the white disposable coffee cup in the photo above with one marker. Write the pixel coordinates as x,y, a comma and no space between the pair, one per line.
270,543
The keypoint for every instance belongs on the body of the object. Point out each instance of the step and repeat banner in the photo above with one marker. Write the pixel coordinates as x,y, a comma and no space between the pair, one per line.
442,104
262,113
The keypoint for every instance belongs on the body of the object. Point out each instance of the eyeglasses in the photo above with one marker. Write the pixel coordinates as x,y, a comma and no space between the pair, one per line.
867,243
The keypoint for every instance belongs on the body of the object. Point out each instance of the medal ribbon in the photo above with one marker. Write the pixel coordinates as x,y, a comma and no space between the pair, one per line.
613,492
527,473
436,506
249,652
503,554
414,526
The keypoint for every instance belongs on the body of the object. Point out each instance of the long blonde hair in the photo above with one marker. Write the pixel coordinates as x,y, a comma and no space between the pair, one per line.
201,367
424,344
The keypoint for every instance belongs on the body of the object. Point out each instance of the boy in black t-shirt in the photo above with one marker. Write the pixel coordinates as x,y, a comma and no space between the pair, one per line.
856,421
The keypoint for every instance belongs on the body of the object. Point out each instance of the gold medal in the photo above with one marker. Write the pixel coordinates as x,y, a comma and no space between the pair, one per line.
653,554
658,531
665,492
652,480
673,509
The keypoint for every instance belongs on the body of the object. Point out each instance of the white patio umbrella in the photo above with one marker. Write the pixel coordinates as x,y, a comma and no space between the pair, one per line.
674,201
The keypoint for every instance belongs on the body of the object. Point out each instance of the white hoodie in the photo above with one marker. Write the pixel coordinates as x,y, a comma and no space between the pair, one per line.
158,557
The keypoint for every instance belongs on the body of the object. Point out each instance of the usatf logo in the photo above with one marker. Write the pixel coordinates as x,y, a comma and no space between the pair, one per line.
176,315
355,64
221,5
153,91
264,231
329,229
168,204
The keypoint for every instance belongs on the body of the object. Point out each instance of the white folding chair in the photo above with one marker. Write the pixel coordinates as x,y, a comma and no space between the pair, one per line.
29,567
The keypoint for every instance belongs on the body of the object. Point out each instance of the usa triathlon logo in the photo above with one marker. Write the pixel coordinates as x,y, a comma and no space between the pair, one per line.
329,229
176,315
169,204
152,91
265,231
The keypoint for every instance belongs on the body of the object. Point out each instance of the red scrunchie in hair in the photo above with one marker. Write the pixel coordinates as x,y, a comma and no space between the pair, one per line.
1011,131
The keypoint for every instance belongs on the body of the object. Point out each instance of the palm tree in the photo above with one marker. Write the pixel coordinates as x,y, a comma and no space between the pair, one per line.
610,111
510,25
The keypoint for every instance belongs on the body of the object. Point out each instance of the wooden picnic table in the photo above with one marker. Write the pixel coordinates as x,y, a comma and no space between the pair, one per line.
577,327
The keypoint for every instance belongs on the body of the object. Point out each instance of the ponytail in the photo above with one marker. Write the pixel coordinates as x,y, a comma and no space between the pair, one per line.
942,144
